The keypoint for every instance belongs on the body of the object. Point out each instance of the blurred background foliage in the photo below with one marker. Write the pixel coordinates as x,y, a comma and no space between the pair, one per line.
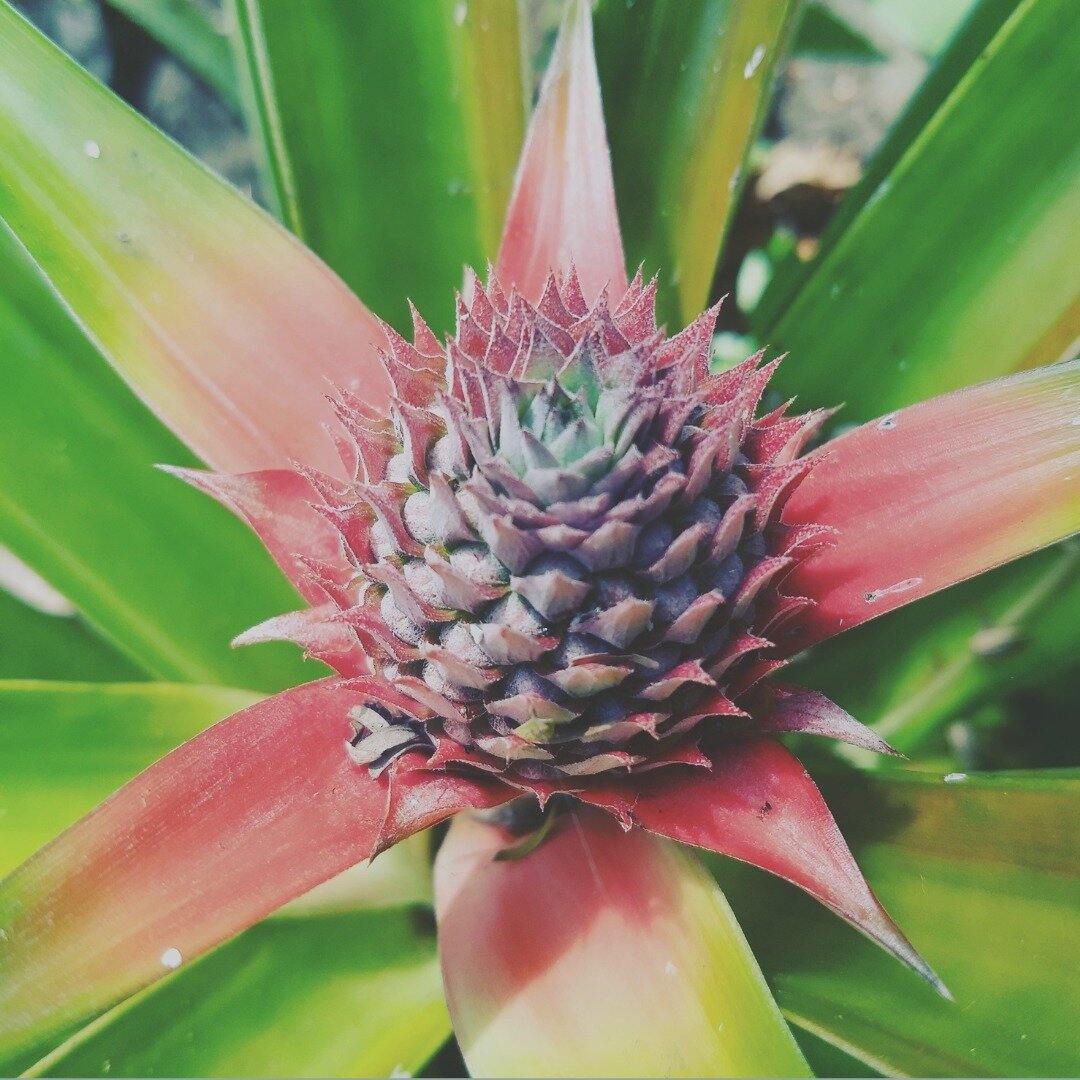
887,189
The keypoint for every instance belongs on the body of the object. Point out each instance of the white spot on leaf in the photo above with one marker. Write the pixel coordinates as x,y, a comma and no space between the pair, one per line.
875,595
172,959
955,778
754,62
91,149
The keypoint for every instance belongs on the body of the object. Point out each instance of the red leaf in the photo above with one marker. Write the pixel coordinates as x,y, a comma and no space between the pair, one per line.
934,494
780,709
562,211
243,818
758,804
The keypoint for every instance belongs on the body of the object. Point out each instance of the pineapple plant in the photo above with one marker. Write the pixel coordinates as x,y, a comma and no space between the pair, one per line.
554,561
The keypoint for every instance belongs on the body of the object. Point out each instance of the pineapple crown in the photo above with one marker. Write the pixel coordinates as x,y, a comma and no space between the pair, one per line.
566,538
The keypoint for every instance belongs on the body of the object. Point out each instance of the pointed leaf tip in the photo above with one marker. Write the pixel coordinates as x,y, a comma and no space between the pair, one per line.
277,505
562,211
793,709
758,804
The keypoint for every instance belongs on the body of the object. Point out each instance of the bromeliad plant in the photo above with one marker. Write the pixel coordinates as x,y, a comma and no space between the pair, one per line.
555,563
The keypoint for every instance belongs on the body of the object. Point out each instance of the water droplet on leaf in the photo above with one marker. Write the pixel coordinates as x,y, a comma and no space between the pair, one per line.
754,62
172,959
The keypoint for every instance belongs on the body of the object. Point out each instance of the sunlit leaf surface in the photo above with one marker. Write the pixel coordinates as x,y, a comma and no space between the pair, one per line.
166,575
330,995
960,263
685,90
391,131
982,873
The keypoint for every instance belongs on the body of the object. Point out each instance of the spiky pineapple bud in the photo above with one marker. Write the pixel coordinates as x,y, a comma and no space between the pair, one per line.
566,537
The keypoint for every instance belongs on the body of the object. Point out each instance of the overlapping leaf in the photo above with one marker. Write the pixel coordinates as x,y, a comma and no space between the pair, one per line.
1006,631
633,966
167,576
213,313
391,132
231,825
66,746
982,871
353,994
959,262
685,90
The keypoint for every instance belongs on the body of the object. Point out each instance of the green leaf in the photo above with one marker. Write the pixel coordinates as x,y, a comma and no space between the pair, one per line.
823,32
685,90
65,746
392,132
982,875
36,645
1011,629
192,35
333,995
985,21
956,263
168,576
827,1059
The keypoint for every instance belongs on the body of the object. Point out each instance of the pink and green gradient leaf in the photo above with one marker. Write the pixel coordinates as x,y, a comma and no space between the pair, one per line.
1012,630
983,872
349,994
686,88
243,818
562,210
158,570
52,771
220,320
600,953
937,493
